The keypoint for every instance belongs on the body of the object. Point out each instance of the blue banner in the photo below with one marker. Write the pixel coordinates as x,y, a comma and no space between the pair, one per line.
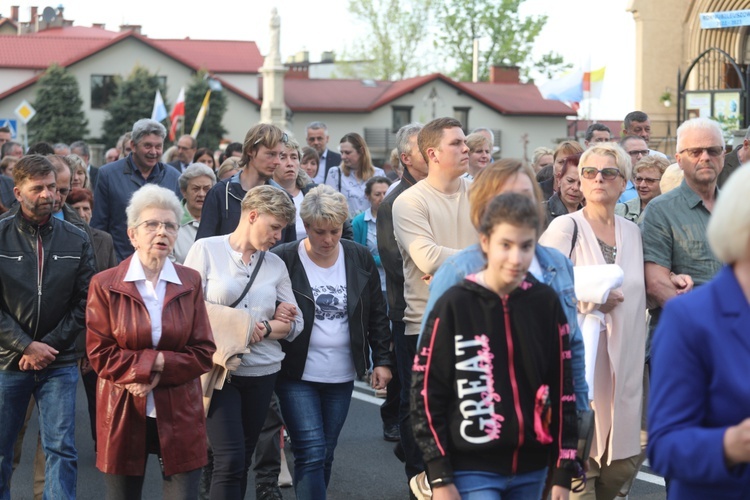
731,19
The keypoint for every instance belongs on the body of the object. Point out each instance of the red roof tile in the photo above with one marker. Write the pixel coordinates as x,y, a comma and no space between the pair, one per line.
356,96
217,56
39,52
75,32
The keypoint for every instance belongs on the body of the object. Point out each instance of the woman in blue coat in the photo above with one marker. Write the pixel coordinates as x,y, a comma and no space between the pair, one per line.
699,408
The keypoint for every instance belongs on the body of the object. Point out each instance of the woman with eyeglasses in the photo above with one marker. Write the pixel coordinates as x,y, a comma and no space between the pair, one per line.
568,197
149,339
596,236
646,176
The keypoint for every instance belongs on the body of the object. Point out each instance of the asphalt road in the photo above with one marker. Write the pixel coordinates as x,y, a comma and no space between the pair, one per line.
364,468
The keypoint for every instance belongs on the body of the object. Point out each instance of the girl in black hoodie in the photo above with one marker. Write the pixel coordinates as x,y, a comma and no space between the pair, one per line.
492,392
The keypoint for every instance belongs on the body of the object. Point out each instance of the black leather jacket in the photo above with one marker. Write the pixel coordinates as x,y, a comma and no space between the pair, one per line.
368,323
46,304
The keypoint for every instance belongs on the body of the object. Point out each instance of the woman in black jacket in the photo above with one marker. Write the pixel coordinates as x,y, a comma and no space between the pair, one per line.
337,288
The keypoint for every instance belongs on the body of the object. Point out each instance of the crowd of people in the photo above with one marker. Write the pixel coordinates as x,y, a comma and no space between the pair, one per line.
537,329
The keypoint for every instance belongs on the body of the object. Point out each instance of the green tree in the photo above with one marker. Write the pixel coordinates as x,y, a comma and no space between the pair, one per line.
134,100
211,131
59,108
395,33
505,37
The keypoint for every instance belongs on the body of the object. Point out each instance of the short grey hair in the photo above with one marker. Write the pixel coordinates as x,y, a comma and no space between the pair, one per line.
402,138
317,126
324,204
75,162
147,126
196,170
292,144
152,196
81,149
700,123
729,226
267,199
485,129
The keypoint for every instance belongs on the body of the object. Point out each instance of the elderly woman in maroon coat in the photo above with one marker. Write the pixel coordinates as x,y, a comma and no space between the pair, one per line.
149,339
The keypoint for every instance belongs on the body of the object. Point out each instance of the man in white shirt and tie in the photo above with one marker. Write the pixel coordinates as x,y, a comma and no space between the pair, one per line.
317,138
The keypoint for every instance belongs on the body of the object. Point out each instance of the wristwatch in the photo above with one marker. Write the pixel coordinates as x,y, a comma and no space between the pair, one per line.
268,329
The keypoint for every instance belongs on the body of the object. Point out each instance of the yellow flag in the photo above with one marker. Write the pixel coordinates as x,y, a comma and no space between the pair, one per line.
201,115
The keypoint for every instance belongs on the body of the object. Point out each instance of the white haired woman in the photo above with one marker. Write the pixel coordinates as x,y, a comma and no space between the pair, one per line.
195,182
596,236
699,405
337,287
237,272
149,339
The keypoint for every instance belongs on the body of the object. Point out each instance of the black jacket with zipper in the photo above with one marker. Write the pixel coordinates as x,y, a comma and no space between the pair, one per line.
482,367
42,296
368,323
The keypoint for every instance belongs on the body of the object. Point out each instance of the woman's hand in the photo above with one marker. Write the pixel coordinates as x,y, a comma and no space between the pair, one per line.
142,390
158,363
613,300
559,493
258,333
381,375
737,443
285,312
447,492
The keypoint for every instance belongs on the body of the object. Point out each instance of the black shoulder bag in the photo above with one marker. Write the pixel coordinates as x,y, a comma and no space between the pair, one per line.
261,256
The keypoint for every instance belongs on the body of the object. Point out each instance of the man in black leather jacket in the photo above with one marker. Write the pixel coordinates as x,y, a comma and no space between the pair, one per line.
45,268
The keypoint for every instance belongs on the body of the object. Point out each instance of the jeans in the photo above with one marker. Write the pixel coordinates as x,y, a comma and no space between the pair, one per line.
234,422
314,414
54,390
478,485
406,349
180,486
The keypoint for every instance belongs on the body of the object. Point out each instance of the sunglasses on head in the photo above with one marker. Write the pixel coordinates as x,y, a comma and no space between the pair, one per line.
608,174
698,152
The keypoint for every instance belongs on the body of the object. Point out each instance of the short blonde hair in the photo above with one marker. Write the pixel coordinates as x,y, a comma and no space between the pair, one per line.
729,226
651,162
476,140
228,165
324,204
262,134
152,196
614,151
270,200
671,178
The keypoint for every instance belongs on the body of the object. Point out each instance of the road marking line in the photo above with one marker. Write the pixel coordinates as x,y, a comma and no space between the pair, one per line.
651,478
367,398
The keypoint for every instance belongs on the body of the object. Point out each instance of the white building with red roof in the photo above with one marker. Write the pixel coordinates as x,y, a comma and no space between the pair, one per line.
521,118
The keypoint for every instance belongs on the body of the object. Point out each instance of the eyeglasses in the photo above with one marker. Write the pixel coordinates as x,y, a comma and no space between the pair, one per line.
647,180
152,226
284,139
642,152
608,174
698,152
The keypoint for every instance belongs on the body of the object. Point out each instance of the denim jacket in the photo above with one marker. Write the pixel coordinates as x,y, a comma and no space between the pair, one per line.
558,273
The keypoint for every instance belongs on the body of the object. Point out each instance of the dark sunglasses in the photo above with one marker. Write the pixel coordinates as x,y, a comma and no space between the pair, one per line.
698,152
608,173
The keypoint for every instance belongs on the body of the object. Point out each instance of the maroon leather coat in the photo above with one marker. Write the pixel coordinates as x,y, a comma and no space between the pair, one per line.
118,342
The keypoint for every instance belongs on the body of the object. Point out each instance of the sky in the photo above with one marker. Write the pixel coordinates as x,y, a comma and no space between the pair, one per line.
595,32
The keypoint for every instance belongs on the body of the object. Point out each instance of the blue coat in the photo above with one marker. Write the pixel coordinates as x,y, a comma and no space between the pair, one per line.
115,185
699,387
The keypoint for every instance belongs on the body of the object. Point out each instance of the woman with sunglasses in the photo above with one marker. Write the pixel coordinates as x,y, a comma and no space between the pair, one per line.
596,236
568,197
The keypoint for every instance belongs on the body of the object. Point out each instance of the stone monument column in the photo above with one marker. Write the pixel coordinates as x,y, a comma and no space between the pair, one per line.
273,109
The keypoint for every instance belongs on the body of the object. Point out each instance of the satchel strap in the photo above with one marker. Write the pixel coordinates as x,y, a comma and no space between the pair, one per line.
574,239
261,256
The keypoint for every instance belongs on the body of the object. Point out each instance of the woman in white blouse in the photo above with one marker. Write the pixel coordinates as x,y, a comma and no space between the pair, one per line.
227,264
